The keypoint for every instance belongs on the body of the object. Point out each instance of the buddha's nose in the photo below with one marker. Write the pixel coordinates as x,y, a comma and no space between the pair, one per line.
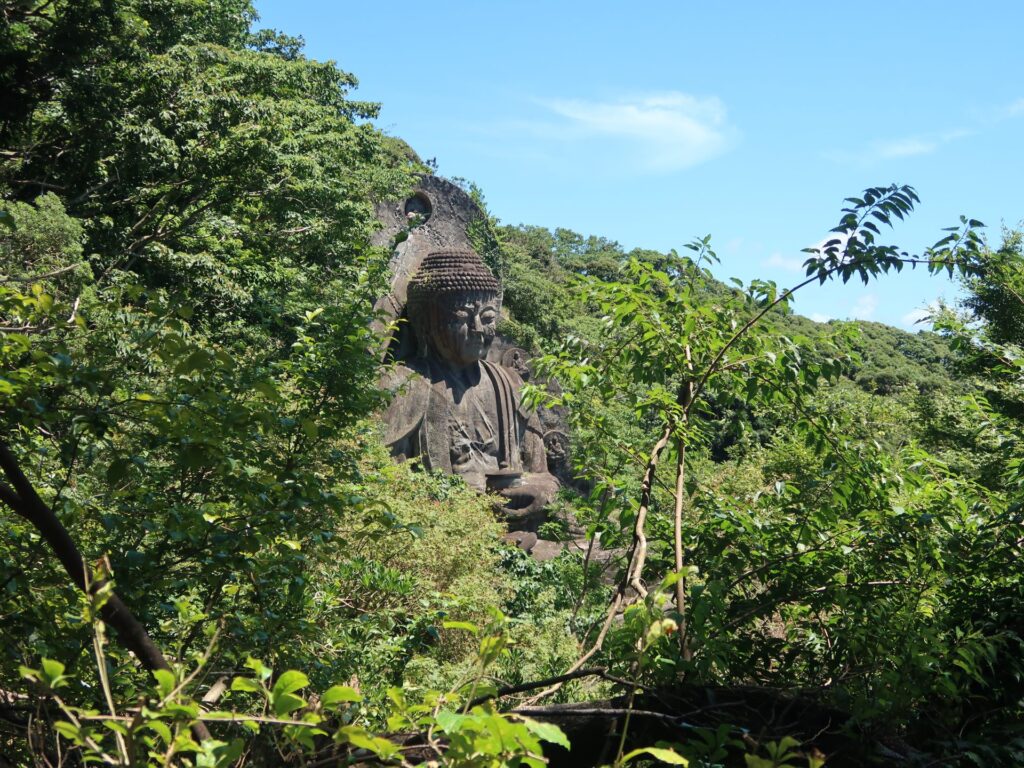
478,326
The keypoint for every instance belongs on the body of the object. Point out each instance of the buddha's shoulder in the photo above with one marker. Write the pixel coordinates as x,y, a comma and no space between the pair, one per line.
404,377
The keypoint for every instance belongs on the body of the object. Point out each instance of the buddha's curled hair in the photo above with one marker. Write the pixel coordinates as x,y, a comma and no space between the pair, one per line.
444,272
443,275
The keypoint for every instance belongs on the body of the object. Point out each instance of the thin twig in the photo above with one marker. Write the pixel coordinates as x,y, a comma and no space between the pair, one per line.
46,276
592,711
511,690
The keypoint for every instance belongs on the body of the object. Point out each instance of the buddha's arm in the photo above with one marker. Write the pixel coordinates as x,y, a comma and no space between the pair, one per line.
403,446
535,458
539,486
531,442
405,413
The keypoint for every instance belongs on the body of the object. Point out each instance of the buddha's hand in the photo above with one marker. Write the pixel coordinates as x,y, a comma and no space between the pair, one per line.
524,502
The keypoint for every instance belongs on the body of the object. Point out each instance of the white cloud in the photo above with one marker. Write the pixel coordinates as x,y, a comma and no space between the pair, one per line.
985,117
1013,109
906,146
787,263
865,307
920,316
840,237
917,145
820,318
733,245
668,131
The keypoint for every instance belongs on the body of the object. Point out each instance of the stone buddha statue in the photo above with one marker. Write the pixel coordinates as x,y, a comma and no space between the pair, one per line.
453,409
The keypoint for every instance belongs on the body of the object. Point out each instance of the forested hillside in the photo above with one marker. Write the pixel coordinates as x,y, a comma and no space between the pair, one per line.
805,537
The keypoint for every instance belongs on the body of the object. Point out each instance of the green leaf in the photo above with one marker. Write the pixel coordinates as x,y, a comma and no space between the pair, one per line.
289,682
658,753
450,722
358,737
196,361
467,626
258,667
267,388
338,694
52,673
165,681
116,726
117,470
161,729
491,648
671,579
67,730
245,684
286,702
547,732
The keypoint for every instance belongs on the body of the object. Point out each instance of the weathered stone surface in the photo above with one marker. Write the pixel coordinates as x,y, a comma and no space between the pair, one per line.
436,217
455,410
553,421
458,406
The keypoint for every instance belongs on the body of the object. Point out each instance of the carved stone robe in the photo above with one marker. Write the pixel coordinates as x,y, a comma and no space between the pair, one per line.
469,422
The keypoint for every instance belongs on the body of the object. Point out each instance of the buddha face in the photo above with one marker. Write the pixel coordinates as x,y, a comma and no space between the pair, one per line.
462,326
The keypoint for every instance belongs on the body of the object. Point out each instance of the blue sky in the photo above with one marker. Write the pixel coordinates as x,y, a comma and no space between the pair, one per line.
652,123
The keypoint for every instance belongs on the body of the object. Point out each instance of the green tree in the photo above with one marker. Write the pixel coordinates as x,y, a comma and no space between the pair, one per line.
852,562
187,288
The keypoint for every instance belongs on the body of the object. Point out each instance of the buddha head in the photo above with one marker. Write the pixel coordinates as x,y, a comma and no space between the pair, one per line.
453,306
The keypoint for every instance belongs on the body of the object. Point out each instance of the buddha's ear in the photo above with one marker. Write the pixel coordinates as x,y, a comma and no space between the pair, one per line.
421,335
495,301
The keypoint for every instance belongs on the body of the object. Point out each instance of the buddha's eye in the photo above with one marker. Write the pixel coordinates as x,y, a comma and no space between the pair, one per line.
488,316
462,314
